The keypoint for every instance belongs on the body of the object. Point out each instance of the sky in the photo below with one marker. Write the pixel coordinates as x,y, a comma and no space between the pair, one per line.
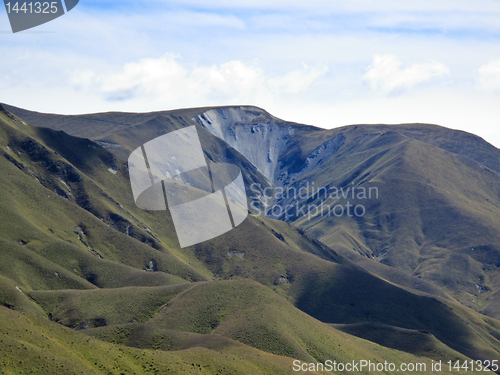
326,63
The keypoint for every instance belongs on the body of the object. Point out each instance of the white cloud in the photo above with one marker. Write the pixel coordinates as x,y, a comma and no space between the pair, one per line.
168,80
489,76
297,81
386,73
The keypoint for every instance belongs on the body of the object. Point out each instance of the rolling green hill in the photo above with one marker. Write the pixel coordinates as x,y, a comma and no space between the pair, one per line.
218,315
78,253
31,344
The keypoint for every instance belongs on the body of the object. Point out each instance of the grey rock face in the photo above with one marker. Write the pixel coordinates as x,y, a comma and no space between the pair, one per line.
260,137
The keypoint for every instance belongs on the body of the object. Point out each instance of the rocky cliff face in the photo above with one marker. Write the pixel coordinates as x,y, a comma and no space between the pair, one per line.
274,147
264,140
254,133
270,145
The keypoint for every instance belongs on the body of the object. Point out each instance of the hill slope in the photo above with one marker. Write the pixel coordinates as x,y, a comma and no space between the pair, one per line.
69,222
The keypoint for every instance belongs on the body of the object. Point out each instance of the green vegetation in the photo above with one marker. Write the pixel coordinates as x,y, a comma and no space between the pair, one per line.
77,308
91,284
31,344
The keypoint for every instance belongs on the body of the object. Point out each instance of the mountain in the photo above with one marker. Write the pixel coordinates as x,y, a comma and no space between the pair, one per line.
78,251
427,197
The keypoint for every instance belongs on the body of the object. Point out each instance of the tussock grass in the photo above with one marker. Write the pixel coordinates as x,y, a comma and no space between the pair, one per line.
31,344
88,308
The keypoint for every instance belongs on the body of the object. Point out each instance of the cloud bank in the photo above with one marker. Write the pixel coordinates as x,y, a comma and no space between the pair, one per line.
168,79
386,74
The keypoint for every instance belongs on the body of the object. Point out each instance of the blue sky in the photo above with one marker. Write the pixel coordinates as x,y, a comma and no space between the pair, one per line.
324,63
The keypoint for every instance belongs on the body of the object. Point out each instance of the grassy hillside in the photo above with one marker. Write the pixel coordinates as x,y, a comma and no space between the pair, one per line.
79,252
435,215
100,307
72,221
248,312
30,344
226,315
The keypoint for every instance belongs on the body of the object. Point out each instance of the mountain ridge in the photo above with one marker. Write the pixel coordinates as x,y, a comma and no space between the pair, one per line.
68,209
312,154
